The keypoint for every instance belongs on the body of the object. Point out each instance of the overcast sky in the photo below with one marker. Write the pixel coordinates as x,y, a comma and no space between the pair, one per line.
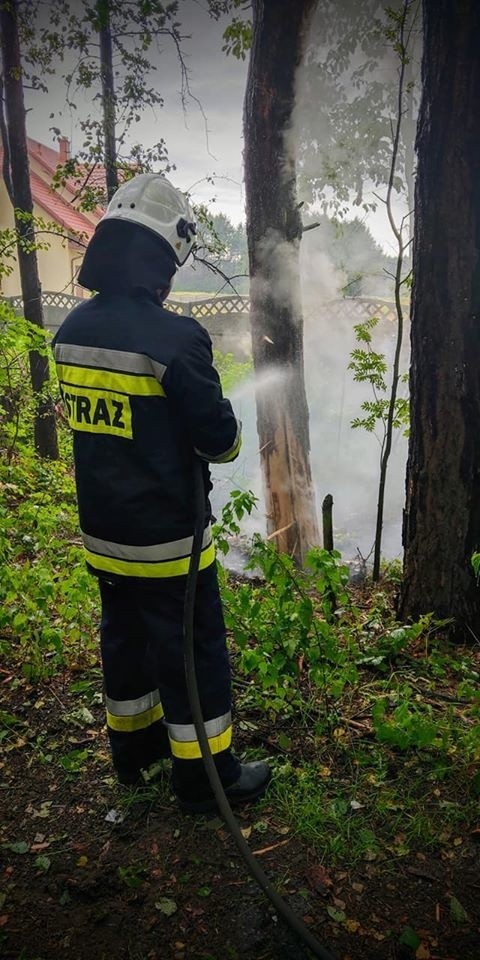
217,80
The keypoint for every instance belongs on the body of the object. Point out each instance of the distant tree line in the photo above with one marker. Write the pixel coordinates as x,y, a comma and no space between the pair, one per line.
364,267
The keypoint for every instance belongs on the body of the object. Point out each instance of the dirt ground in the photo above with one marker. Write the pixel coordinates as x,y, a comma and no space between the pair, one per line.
92,871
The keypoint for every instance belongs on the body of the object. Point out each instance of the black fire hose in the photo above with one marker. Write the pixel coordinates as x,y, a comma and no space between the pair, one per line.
282,908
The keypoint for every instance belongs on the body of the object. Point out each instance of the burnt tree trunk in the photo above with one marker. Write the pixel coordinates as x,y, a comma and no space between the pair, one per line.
108,96
45,434
274,232
442,517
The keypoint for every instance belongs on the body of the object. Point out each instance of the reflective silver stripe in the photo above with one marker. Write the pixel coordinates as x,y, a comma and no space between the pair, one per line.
130,708
149,554
185,732
120,360
221,456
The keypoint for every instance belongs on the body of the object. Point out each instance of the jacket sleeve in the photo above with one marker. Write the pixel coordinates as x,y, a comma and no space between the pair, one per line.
193,385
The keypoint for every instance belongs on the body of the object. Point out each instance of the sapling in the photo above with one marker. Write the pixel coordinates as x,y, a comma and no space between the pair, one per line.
388,411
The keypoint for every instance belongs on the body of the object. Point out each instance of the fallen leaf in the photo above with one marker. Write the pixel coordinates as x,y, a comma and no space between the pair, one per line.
410,938
351,925
166,906
319,879
339,903
3,919
337,915
20,846
115,816
457,912
82,861
246,831
358,887
423,953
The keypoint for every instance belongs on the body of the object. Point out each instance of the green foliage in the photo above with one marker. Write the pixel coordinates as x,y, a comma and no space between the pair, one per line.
475,562
240,503
288,625
352,78
18,339
369,366
68,43
232,372
238,38
47,611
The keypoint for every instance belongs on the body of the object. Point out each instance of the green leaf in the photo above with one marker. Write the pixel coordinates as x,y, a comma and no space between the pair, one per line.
204,891
166,906
338,915
21,846
410,938
457,912
43,863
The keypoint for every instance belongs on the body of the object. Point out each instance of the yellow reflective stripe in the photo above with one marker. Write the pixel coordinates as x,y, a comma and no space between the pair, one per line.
227,455
97,379
232,453
166,568
191,749
151,553
137,722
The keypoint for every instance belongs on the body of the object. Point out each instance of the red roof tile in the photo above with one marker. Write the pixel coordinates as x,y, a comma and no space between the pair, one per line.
59,209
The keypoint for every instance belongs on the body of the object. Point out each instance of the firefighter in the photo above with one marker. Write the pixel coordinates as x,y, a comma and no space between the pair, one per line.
143,398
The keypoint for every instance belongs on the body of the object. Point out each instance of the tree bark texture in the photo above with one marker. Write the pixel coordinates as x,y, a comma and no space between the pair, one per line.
442,516
45,434
108,97
274,232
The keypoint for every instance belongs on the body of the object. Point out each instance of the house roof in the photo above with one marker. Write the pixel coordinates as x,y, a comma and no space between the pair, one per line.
57,207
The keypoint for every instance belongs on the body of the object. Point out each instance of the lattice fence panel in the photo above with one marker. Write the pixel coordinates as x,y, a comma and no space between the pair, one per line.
353,308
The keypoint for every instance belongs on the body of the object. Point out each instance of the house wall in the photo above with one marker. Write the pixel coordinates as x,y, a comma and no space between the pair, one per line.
55,263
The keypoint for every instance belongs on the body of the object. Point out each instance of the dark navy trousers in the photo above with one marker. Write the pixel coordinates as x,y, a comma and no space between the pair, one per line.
148,713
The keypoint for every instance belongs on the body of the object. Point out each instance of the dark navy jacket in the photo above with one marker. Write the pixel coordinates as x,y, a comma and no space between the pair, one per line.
142,396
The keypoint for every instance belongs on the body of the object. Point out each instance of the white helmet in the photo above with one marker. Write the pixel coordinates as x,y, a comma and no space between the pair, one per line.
150,200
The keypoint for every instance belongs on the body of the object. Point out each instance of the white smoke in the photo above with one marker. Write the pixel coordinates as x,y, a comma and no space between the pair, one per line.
345,461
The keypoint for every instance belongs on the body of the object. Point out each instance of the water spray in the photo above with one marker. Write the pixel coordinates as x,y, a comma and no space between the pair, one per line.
293,921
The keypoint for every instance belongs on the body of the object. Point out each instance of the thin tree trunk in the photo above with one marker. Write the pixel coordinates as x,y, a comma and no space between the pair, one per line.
6,165
45,434
442,517
274,232
108,96
397,232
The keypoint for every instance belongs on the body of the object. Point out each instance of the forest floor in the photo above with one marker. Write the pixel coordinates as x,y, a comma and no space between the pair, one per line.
93,871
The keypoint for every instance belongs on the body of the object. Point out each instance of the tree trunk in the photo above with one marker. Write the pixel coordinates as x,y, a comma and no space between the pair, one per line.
108,96
45,434
274,232
442,517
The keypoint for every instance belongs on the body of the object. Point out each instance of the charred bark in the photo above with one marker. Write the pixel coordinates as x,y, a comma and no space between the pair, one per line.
442,516
274,232
45,434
